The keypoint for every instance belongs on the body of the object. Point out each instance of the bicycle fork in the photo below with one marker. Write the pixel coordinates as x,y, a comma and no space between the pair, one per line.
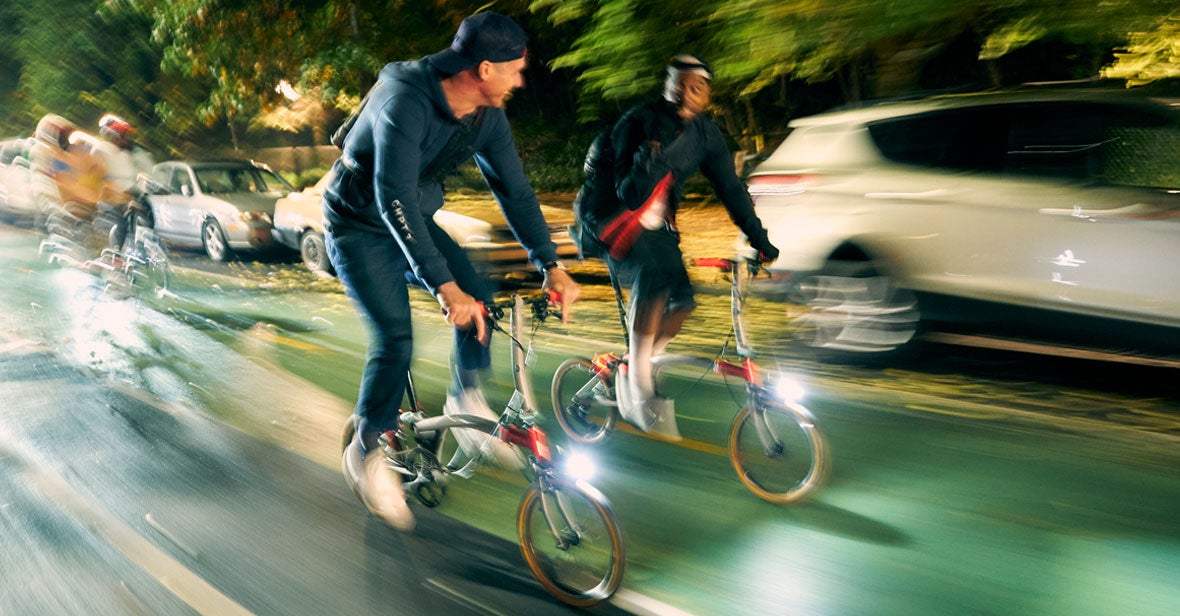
772,446
566,530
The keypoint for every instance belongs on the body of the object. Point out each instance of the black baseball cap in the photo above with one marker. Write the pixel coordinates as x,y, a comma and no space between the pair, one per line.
483,36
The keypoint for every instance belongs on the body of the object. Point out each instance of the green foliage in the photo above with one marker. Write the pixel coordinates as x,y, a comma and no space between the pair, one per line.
304,178
1150,55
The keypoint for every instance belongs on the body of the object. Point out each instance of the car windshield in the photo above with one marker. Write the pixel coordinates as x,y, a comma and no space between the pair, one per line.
222,180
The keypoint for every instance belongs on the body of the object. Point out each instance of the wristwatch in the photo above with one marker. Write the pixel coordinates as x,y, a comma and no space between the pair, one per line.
552,265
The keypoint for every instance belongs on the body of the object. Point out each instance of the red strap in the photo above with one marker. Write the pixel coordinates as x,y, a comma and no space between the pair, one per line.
620,234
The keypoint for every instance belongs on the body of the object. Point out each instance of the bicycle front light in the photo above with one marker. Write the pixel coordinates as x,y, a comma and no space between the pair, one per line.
579,466
788,388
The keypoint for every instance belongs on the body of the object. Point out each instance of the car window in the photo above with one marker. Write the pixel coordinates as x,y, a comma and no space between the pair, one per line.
1055,140
1141,149
957,139
221,180
179,181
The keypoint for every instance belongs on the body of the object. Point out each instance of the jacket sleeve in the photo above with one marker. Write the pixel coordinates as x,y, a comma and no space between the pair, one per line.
500,164
718,168
638,166
398,134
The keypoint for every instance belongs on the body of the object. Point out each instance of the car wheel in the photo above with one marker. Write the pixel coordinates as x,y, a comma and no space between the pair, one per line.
315,253
213,239
856,313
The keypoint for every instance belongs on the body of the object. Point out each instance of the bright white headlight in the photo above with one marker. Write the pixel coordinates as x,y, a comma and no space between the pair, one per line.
789,389
580,466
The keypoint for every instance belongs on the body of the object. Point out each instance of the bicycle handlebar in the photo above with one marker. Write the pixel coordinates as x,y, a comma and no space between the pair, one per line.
540,304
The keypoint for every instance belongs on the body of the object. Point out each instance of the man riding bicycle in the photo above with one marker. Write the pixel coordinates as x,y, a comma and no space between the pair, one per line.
70,174
416,125
124,162
656,146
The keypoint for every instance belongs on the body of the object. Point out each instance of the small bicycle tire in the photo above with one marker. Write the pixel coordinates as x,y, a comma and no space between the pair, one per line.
572,543
151,273
784,462
583,417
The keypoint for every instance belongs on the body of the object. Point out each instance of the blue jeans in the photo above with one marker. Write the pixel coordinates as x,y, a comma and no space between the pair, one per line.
375,273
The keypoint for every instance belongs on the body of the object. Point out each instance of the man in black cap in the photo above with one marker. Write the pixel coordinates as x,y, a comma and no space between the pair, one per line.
417,124
656,146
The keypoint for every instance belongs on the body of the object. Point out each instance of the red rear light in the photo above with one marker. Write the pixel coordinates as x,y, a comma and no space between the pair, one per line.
781,183
540,444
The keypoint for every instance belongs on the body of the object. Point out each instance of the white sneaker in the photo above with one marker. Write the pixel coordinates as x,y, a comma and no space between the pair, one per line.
378,487
664,427
473,442
623,396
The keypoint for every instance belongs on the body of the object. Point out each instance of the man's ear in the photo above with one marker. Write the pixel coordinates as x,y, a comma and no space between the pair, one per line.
483,70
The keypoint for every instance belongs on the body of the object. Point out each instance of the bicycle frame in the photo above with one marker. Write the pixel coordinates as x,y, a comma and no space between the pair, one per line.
515,426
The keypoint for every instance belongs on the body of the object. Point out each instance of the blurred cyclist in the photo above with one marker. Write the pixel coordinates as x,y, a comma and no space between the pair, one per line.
656,147
124,162
70,173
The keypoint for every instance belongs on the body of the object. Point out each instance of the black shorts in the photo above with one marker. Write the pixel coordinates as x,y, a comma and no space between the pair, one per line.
655,268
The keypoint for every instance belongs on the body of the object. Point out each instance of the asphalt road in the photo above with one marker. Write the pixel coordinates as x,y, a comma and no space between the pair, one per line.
181,455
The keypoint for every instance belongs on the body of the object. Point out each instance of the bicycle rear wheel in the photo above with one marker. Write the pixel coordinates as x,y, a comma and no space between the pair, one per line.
778,452
571,542
579,402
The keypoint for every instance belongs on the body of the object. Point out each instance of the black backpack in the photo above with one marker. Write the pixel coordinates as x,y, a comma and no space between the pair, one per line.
597,201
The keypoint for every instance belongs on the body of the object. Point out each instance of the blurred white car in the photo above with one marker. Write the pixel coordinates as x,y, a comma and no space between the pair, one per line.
1047,216
219,206
494,249
17,191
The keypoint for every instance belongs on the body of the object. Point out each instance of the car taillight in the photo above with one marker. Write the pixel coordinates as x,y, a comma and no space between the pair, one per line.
781,183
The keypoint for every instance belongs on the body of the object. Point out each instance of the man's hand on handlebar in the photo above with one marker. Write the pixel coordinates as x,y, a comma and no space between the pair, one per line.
559,280
463,311
768,253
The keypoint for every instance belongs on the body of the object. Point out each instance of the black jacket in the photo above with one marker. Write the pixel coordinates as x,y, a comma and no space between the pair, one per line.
651,140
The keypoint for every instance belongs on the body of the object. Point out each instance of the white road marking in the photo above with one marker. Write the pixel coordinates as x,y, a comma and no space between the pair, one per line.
189,587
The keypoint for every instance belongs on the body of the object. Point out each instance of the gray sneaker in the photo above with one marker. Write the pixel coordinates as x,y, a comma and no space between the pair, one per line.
378,487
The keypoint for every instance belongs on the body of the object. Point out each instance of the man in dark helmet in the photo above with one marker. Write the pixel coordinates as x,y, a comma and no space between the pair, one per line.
124,162
656,147
417,124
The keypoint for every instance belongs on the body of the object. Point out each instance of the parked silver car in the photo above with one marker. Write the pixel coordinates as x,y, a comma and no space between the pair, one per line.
1046,216
219,206
493,247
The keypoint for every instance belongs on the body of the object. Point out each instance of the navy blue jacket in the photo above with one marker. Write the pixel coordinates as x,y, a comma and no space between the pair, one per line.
384,182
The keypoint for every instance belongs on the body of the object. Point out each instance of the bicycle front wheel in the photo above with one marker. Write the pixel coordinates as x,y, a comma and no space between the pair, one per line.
572,543
151,273
581,402
778,452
